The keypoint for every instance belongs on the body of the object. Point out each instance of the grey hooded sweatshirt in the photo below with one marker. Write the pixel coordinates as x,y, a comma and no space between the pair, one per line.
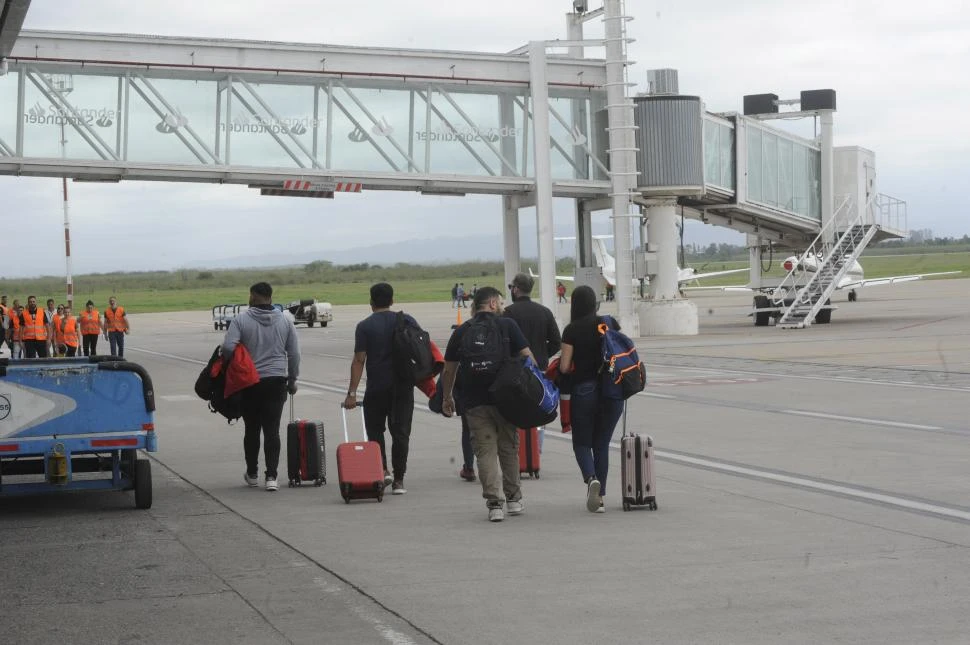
270,338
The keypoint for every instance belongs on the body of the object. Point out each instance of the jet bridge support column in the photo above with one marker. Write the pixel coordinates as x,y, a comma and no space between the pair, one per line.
510,237
665,313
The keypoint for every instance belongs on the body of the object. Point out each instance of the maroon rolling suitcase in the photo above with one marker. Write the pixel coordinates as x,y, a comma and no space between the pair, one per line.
529,452
359,466
637,470
305,451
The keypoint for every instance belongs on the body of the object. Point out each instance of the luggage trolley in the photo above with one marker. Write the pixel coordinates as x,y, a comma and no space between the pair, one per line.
76,424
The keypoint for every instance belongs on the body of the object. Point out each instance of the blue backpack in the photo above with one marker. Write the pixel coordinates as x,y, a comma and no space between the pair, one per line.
623,374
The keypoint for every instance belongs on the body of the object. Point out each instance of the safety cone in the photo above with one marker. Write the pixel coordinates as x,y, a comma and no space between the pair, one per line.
457,324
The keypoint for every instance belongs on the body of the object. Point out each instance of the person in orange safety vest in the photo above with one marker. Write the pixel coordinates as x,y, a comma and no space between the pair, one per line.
35,330
90,320
69,332
115,327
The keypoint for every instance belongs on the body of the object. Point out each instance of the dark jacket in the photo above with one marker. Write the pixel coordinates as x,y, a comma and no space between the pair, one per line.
539,327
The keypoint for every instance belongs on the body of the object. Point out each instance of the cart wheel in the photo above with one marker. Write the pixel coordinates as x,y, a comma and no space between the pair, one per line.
626,505
143,484
653,506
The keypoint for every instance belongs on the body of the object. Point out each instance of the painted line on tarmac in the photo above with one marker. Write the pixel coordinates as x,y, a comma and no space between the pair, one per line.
879,422
808,377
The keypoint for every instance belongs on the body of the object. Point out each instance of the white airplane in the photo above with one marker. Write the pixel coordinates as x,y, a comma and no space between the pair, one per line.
607,263
854,278
777,296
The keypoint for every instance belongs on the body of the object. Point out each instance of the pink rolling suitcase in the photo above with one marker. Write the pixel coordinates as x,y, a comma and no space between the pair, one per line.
637,470
359,466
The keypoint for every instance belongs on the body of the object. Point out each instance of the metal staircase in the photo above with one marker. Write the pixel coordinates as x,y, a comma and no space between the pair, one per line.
811,302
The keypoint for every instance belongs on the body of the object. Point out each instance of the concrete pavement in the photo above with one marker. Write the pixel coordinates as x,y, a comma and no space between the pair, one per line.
812,487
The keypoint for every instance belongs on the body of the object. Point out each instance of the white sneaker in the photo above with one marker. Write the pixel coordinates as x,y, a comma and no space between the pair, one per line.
252,482
602,508
593,495
271,484
496,514
515,508
388,480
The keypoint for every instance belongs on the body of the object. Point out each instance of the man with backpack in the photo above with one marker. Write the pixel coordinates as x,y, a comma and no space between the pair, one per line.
272,342
389,398
481,346
537,323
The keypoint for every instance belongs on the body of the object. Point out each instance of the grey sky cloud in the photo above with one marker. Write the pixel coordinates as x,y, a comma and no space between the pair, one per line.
899,69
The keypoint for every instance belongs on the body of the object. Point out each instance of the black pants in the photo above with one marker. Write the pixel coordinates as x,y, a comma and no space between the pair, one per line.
262,406
70,351
90,343
394,406
35,349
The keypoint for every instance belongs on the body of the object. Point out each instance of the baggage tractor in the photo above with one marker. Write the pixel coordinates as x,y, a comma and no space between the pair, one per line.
306,459
529,452
359,466
637,470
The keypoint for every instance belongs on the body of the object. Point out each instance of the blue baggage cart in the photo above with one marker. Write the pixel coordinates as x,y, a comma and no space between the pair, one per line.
76,424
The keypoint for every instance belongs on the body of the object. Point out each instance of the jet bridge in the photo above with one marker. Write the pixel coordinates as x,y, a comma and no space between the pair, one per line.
259,113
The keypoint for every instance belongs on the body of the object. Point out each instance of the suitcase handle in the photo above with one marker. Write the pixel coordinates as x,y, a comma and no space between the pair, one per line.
292,417
624,420
363,426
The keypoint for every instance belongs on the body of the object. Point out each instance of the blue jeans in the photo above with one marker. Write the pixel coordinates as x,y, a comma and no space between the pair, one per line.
594,420
117,341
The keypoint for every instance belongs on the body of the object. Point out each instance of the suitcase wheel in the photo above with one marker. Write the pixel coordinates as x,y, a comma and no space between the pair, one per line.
536,474
320,482
380,498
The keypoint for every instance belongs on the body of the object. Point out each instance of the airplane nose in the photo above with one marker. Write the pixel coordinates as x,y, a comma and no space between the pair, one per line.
788,265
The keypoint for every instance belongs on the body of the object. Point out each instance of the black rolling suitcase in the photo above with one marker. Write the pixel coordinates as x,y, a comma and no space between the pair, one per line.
305,454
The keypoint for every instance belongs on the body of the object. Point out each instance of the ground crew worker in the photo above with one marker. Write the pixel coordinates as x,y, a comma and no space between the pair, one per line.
35,330
4,322
90,328
13,333
115,327
69,332
57,340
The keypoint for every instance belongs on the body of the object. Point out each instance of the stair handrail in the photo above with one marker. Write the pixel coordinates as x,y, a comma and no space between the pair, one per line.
817,249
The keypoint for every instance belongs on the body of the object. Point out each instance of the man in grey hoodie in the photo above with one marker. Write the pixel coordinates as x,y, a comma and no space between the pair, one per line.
272,342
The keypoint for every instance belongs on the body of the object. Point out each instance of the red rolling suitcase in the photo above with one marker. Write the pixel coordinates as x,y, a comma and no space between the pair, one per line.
529,452
306,459
359,466
637,470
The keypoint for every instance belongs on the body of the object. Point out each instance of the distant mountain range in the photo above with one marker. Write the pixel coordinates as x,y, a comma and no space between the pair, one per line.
437,250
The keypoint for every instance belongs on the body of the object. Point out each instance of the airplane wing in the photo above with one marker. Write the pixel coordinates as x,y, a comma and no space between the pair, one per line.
733,287
569,278
701,276
893,279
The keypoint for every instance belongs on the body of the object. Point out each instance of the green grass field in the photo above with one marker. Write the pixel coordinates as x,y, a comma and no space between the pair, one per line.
169,291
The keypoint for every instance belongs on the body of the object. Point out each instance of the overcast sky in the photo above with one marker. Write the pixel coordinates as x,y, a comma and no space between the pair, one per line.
900,70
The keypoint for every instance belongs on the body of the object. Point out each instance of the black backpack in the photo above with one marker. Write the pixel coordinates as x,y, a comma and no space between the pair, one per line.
411,354
484,349
211,386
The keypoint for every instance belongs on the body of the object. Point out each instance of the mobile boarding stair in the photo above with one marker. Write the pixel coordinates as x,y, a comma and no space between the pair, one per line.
812,300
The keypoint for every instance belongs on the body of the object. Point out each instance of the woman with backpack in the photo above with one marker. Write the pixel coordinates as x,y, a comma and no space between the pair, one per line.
594,417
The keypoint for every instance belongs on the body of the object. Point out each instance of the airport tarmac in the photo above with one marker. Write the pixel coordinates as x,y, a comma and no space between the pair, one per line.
812,487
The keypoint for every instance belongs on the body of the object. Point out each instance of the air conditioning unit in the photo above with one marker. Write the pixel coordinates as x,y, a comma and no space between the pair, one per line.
662,81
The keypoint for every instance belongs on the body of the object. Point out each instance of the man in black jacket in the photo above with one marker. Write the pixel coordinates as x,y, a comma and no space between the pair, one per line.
537,323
